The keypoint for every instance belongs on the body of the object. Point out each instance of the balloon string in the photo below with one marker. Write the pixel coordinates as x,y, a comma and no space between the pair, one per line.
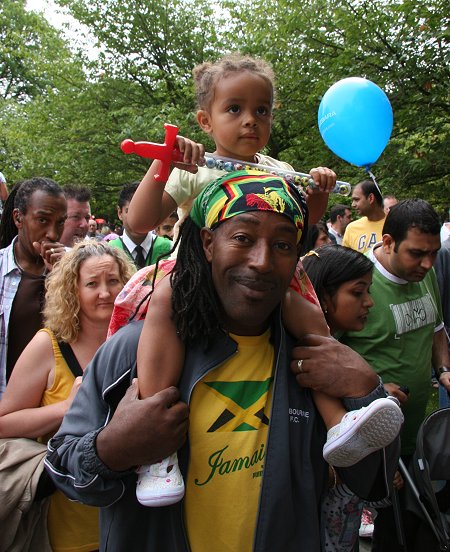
372,176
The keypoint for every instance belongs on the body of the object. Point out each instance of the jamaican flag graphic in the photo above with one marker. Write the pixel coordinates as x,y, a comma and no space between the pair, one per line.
229,422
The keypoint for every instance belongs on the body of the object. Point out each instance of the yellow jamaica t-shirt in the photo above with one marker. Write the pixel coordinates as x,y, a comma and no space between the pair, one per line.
229,421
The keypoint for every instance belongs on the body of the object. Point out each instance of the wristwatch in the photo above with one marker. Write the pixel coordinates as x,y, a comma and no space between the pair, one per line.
441,370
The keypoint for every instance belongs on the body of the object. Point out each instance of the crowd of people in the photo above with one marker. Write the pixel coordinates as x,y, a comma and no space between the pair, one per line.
227,371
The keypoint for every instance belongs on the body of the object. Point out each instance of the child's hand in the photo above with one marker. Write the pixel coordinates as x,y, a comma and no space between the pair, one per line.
324,178
193,154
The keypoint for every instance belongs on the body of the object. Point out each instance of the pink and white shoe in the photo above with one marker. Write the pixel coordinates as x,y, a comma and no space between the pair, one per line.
160,484
367,526
362,432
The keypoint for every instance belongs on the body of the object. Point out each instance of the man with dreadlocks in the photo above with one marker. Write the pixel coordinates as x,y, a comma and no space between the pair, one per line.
32,224
253,462
351,435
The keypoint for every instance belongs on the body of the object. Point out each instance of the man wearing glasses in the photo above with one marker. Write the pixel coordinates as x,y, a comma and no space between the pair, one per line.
78,214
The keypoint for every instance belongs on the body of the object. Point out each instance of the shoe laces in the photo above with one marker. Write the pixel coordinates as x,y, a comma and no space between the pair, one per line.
160,468
366,518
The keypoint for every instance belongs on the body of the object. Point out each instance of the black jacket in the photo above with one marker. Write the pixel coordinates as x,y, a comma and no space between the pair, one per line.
295,473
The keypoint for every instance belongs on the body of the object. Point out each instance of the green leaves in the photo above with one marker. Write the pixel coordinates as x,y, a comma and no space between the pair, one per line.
65,117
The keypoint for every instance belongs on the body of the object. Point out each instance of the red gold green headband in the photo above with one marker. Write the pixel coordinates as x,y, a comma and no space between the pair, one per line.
244,191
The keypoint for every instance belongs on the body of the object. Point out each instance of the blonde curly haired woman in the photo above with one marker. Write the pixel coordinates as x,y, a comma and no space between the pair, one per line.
80,294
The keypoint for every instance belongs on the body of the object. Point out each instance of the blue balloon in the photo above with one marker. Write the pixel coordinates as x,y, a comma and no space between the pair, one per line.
355,120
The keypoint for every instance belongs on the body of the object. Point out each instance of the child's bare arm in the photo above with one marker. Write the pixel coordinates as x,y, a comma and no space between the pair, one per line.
301,317
317,198
160,354
150,205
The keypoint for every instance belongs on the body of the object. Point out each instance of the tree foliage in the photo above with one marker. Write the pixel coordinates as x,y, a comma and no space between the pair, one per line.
33,57
65,116
403,46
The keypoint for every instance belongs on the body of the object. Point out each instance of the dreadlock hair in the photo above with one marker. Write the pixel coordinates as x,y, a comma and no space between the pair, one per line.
8,229
19,198
194,300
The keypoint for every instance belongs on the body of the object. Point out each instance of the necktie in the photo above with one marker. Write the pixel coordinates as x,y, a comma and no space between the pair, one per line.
139,260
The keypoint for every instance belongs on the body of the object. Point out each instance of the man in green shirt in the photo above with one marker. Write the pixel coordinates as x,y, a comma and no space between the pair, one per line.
404,335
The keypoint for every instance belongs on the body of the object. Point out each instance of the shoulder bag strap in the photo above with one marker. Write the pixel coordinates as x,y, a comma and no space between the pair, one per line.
70,358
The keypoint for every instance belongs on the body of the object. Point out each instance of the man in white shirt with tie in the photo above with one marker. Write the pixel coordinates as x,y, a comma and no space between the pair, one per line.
143,249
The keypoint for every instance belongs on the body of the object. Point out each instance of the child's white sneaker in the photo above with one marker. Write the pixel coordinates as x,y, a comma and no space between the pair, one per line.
362,432
160,484
366,528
